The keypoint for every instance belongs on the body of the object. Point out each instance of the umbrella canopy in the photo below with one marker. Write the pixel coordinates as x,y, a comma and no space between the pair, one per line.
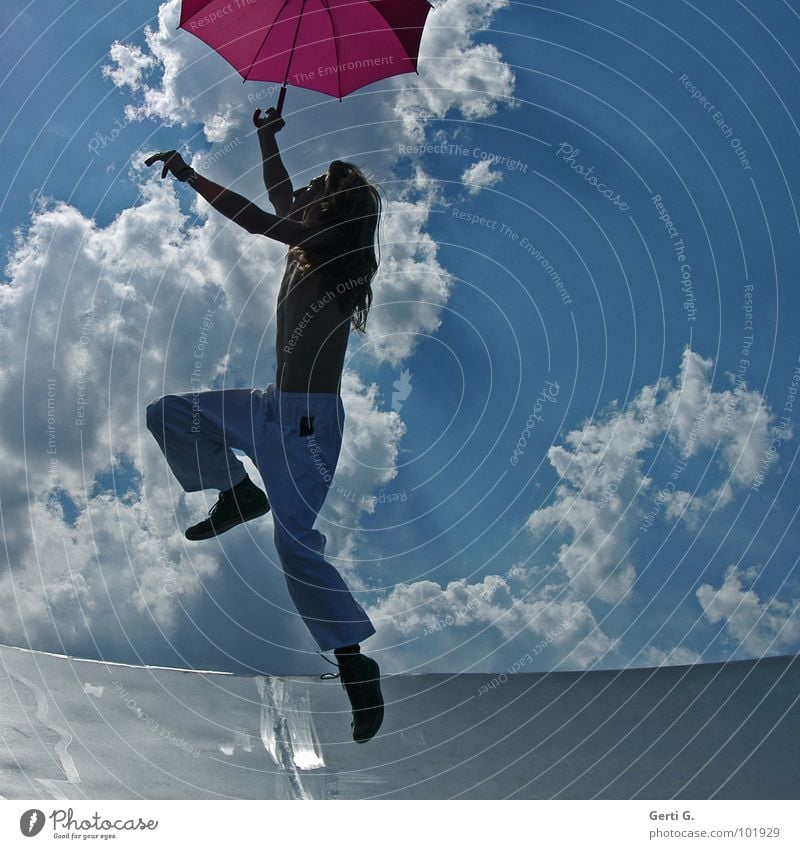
330,46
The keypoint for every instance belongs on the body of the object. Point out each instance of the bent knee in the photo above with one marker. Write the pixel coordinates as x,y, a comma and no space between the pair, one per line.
158,411
154,414
299,542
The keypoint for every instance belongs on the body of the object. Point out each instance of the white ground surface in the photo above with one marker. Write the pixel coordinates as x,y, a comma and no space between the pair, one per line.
76,729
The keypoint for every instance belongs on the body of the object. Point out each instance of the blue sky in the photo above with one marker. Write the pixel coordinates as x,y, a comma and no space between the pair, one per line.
643,158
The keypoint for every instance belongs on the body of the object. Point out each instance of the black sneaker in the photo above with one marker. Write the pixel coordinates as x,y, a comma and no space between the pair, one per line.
360,676
234,506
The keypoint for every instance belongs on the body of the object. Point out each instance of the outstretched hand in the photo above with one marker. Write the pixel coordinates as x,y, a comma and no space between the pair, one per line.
271,122
173,163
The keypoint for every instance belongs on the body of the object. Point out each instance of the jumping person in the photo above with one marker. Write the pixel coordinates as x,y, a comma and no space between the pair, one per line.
292,430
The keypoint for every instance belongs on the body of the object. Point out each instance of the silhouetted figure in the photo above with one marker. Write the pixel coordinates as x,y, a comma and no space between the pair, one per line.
292,430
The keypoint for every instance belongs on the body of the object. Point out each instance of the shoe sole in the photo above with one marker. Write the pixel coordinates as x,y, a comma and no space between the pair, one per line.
375,727
215,532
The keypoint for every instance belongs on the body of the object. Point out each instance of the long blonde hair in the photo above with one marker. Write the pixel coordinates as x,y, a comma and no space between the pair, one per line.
349,198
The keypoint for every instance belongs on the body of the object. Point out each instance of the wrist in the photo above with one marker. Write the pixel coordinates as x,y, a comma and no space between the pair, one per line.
188,175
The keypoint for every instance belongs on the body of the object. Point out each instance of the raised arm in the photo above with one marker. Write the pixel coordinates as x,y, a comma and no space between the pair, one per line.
276,177
246,214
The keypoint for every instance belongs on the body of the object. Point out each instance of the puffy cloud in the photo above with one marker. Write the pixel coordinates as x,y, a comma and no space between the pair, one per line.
411,286
97,322
480,176
488,624
196,86
757,627
130,65
129,302
367,462
676,656
600,505
455,72
604,498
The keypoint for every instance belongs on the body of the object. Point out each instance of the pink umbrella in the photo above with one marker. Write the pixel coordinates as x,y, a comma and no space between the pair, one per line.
330,46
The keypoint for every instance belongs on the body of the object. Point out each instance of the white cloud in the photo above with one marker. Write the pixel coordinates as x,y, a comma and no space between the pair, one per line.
603,496
424,624
198,86
676,656
757,627
455,72
98,321
480,176
130,65
411,286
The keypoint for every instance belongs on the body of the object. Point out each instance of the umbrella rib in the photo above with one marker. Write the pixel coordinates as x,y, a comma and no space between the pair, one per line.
336,48
264,40
394,29
294,43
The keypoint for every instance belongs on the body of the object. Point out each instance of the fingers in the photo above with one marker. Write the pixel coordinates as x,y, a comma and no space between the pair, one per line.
167,157
269,118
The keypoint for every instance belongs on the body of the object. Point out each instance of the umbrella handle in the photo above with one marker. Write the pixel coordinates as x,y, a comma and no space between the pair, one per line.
281,98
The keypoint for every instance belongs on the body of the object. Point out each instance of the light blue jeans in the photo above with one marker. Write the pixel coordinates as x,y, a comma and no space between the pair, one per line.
294,439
